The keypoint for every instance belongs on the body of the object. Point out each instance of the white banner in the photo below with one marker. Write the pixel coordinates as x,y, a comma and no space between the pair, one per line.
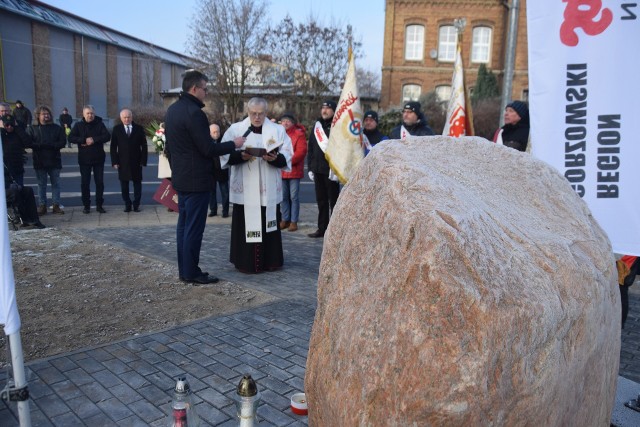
9,316
585,105
345,148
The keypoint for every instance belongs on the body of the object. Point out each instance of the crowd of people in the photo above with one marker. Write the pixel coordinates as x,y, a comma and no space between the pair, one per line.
257,166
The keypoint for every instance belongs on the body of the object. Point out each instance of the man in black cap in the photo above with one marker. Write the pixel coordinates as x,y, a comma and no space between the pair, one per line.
22,114
326,183
515,132
371,131
414,122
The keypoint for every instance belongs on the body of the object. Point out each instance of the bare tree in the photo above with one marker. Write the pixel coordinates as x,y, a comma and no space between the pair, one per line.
368,83
226,34
314,55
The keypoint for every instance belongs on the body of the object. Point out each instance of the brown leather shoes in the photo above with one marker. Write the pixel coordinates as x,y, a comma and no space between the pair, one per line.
293,226
284,224
42,210
57,209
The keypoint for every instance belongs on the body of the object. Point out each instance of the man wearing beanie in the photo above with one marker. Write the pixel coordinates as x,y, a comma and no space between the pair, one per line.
515,132
370,121
327,190
22,114
414,122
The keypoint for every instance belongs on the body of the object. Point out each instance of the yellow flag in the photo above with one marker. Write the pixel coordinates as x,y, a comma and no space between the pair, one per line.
346,146
459,121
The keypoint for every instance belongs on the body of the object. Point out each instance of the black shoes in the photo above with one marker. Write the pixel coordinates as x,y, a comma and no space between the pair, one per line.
127,209
100,209
86,210
213,214
136,209
317,233
203,279
225,215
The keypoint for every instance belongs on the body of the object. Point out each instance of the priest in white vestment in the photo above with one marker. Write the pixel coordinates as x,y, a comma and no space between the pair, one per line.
255,189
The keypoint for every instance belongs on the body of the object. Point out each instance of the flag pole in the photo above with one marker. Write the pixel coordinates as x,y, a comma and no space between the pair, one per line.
20,380
460,24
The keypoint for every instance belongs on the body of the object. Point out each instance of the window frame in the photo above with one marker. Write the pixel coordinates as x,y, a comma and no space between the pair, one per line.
485,45
405,86
415,46
447,46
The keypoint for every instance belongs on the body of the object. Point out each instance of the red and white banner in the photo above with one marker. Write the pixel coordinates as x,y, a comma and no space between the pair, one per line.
584,102
345,148
458,122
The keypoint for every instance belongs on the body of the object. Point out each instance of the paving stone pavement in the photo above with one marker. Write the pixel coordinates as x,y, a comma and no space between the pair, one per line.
130,382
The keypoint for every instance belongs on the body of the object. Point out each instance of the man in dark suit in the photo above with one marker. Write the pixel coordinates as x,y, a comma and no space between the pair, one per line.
128,156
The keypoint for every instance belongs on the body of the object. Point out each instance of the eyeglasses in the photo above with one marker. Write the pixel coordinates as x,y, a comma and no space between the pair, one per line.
204,88
257,113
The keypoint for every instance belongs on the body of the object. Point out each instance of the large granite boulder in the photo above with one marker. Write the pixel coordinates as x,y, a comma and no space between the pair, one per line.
463,283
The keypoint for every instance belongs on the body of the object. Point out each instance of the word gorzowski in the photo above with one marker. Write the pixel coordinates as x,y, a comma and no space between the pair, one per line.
582,14
343,107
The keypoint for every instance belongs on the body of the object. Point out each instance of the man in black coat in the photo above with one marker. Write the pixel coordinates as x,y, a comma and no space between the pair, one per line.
90,134
413,121
129,156
220,177
190,150
22,114
327,190
66,121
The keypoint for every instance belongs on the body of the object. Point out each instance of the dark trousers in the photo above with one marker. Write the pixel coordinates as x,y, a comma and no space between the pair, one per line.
192,217
85,183
224,194
137,193
327,193
24,199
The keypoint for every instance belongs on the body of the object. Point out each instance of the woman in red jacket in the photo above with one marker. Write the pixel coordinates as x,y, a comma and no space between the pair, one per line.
291,180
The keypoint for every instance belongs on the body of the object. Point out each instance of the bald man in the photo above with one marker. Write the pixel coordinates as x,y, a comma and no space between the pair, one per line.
220,176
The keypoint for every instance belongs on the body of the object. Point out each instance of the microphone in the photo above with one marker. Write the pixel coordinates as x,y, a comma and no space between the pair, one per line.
248,131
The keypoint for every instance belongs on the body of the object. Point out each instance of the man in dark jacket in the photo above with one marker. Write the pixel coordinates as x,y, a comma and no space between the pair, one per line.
515,132
327,190
22,115
14,141
90,134
414,122
129,156
220,177
47,140
66,121
371,131
190,150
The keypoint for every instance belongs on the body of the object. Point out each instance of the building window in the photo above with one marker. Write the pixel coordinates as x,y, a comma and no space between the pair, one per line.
481,45
447,39
443,92
411,92
414,43
525,95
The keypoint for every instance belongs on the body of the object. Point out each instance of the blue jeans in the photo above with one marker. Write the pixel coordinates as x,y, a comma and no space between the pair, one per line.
41,175
290,201
85,183
192,218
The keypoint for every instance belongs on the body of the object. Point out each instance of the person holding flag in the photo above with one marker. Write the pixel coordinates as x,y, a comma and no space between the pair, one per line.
414,122
327,189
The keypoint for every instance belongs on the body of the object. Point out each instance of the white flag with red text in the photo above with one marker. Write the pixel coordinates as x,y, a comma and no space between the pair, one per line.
458,122
346,145
584,101
9,316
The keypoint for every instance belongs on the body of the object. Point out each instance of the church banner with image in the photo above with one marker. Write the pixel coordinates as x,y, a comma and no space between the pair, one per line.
585,105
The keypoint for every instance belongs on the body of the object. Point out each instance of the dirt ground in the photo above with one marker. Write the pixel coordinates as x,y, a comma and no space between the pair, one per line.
75,292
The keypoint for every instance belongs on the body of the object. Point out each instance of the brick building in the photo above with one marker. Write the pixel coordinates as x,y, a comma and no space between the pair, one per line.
51,57
420,45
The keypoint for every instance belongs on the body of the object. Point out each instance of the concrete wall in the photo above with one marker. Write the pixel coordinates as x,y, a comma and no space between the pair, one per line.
62,73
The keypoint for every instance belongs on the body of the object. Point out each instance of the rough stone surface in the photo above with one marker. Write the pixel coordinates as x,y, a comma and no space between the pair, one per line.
463,283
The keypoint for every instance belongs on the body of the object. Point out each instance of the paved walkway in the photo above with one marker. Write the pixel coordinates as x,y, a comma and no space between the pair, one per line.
129,383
